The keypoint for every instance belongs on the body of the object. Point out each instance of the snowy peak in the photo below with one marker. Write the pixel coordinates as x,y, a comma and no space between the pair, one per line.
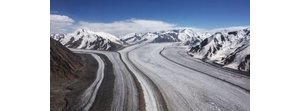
204,35
57,37
188,37
86,39
91,34
187,32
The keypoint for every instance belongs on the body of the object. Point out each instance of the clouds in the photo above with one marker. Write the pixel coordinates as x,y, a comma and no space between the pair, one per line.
229,28
61,23
129,26
65,24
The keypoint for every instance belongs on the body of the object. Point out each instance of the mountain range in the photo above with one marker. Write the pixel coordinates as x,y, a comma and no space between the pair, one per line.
229,48
185,36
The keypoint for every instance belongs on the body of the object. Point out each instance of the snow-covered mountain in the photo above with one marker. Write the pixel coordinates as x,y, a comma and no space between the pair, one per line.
86,39
229,48
185,36
204,35
239,59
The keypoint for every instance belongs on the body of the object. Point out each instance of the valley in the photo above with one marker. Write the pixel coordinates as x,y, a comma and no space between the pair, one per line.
165,71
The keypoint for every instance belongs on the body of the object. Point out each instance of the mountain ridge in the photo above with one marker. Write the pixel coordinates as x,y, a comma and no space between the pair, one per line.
228,48
86,39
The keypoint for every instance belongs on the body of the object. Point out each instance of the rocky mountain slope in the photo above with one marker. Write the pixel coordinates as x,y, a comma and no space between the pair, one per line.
63,62
63,65
86,39
228,48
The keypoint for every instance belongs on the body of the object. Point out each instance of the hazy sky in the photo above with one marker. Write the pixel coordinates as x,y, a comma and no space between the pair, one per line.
202,14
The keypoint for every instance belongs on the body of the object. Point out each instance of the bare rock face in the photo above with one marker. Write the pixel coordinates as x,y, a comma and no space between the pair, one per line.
63,67
63,62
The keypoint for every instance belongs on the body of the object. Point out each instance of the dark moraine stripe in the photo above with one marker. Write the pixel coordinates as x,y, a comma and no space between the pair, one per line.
104,96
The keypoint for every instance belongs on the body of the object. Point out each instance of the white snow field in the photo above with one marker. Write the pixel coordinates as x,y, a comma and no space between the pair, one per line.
184,89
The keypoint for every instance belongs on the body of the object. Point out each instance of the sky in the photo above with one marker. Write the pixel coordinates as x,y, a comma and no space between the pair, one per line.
126,16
